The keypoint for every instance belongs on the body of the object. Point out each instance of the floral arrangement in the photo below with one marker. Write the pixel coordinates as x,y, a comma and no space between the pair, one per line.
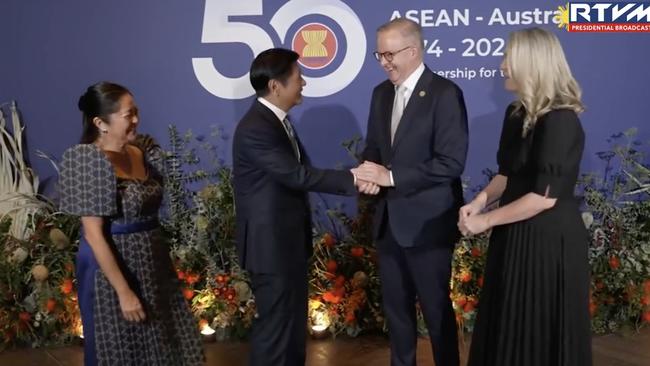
344,283
201,229
38,304
37,287
618,218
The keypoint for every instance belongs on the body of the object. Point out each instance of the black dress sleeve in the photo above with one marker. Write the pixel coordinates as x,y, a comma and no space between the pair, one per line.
87,183
556,152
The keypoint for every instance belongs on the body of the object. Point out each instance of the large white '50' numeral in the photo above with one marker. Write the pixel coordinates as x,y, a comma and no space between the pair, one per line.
218,29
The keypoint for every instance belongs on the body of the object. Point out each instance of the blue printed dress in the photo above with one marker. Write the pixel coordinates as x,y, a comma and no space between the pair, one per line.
169,335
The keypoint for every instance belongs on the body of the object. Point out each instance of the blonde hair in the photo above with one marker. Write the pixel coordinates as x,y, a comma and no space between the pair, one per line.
544,81
407,29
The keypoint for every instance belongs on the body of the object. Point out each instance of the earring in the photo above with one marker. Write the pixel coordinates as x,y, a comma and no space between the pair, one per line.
104,131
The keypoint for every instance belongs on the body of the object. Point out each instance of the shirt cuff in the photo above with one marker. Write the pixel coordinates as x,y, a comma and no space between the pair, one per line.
392,182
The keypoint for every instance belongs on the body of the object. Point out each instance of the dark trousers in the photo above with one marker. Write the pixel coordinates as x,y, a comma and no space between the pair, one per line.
279,332
417,274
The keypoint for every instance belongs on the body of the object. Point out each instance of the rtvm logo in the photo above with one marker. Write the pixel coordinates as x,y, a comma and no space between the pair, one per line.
606,17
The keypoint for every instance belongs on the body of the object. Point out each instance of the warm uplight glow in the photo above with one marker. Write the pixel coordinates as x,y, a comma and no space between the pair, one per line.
207,330
319,320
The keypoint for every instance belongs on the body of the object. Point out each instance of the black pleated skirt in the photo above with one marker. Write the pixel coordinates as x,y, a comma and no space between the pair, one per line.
534,306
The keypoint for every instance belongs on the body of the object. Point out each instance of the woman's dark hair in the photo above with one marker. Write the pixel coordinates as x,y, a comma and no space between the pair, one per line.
274,63
99,100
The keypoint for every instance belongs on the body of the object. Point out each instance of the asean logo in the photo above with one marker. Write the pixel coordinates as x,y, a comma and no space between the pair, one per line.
316,44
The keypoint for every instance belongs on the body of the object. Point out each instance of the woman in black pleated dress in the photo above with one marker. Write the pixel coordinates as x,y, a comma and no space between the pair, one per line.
534,306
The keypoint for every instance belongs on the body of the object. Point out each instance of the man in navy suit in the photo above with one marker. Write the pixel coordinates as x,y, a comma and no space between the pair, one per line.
272,175
416,147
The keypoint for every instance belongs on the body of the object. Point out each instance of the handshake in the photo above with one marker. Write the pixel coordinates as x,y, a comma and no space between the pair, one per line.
370,177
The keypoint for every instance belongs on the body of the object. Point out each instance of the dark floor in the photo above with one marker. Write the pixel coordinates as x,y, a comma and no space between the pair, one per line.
610,350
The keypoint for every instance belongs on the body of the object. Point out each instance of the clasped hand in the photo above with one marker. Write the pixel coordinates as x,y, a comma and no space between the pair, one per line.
470,219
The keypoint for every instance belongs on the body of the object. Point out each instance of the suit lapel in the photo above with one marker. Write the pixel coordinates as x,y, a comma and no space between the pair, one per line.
270,117
386,112
413,105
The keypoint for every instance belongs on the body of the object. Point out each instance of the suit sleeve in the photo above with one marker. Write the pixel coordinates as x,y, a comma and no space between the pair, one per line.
265,151
371,151
450,140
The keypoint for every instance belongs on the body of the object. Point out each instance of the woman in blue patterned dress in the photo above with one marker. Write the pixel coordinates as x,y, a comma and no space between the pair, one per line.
132,309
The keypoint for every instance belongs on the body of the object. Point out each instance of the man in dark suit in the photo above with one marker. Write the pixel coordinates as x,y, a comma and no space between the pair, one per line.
274,234
416,147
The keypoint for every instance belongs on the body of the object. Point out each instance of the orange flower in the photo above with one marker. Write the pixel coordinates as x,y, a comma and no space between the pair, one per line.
221,278
461,301
350,318
469,307
473,301
592,308
230,294
646,286
216,292
339,282
357,252
329,240
69,267
465,276
480,281
191,278
332,298
50,305
645,300
188,293
646,316
66,286
614,262
331,266
476,252
180,274
202,323
24,316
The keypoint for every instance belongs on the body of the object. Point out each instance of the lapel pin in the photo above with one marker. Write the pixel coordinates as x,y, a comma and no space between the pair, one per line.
422,93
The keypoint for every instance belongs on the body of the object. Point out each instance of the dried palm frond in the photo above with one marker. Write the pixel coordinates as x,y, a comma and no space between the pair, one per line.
18,182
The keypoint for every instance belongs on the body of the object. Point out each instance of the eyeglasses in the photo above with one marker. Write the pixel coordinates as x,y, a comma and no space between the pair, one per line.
388,55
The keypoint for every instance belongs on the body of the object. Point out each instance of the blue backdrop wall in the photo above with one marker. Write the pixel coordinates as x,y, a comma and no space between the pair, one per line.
186,63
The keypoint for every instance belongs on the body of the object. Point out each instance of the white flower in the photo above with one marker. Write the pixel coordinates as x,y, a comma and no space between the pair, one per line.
38,317
587,219
19,255
36,324
599,238
222,320
202,223
243,291
40,272
59,239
